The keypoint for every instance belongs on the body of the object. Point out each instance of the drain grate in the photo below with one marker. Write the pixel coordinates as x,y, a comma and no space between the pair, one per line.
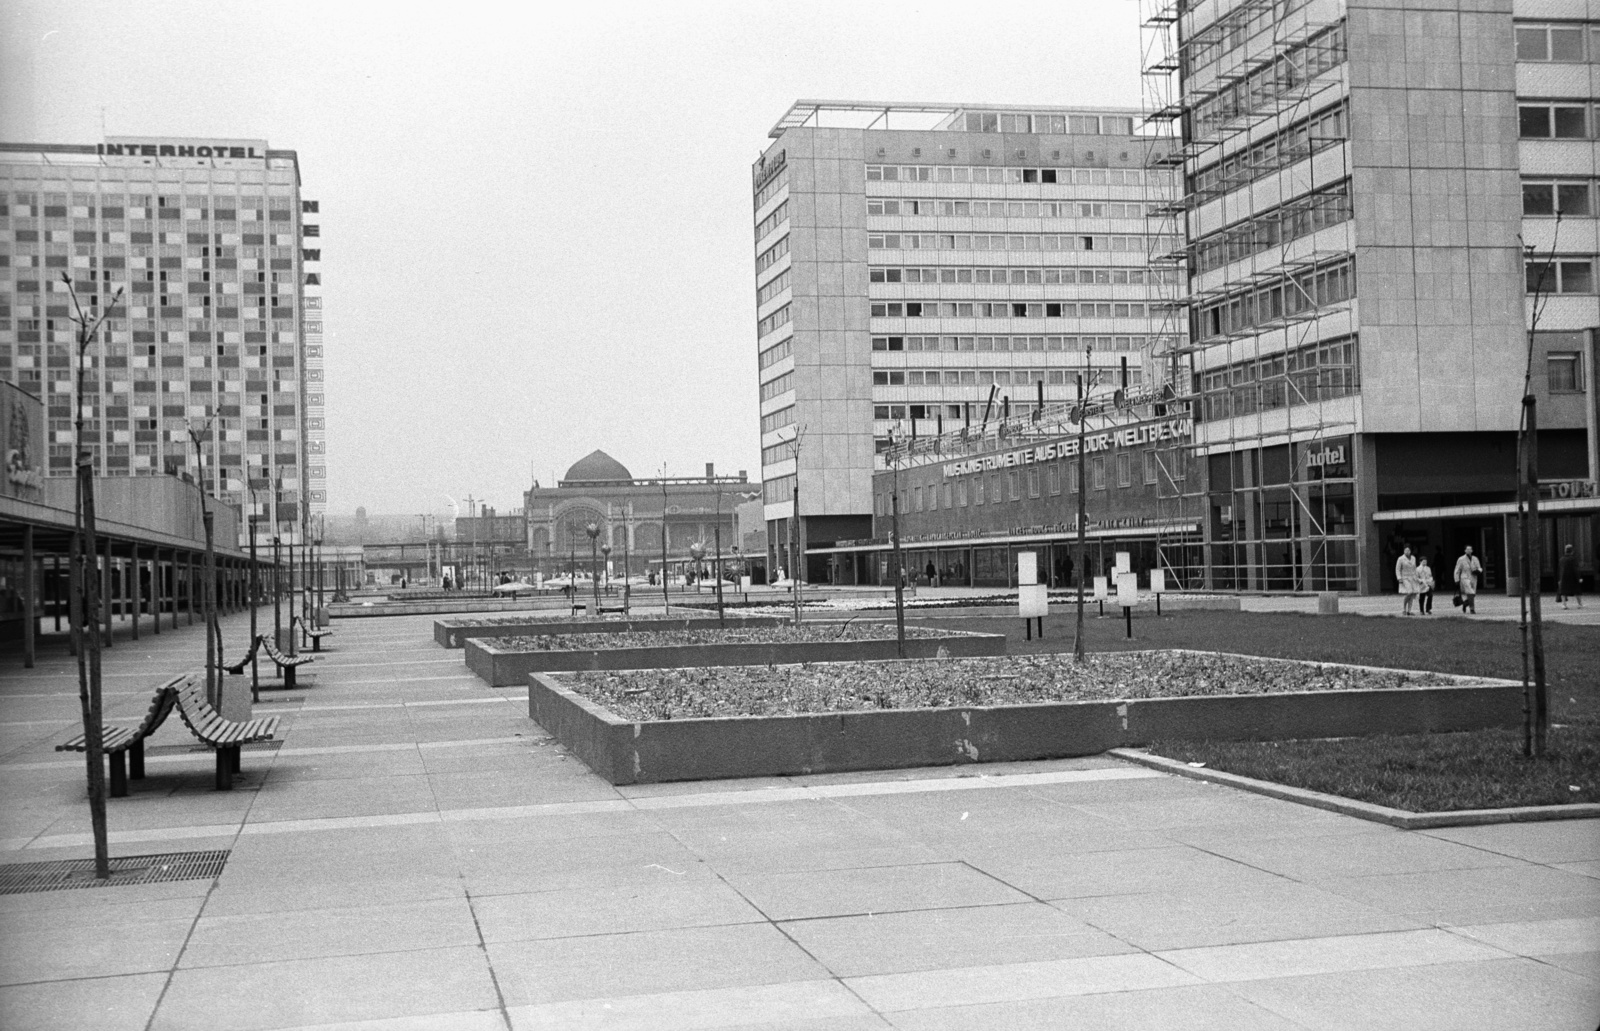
64,874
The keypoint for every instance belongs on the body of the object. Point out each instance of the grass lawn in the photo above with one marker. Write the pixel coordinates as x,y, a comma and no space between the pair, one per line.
1481,770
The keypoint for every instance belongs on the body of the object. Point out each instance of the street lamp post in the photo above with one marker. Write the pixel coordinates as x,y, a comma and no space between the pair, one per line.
605,553
697,551
666,600
593,530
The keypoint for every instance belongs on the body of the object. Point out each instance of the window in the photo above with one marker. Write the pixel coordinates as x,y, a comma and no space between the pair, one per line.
1550,198
1150,466
1560,276
1560,121
1565,372
1033,482
1097,472
1562,43
1124,469
1013,489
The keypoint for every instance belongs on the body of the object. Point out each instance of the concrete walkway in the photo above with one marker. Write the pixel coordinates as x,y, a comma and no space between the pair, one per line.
418,855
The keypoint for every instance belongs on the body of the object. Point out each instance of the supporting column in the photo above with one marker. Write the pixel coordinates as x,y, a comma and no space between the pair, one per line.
105,592
30,599
57,593
188,584
172,589
155,589
138,589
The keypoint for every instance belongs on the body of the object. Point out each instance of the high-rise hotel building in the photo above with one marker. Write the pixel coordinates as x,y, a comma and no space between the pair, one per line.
923,266
1389,209
219,327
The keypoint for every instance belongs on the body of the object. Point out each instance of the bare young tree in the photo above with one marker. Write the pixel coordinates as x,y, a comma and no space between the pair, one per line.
86,642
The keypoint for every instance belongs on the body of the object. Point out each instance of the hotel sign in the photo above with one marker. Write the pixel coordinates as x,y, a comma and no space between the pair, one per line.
1130,436
168,147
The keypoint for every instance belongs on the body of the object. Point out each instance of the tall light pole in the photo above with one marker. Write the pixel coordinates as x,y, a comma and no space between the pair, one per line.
593,530
605,554
213,686
666,600
1083,494
697,551
894,542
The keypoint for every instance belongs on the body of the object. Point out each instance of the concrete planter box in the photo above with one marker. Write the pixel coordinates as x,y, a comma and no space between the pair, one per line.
428,607
501,668
450,633
625,752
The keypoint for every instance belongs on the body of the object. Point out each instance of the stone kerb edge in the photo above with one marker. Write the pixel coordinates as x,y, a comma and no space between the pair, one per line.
1401,818
507,668
742,746
453,633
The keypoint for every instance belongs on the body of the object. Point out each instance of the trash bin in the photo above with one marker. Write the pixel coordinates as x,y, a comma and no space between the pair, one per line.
1327,603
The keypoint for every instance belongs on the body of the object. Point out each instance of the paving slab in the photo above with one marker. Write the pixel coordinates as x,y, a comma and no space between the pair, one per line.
118,1003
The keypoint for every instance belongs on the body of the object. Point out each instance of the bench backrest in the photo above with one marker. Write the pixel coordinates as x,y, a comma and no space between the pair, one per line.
196,711
161,704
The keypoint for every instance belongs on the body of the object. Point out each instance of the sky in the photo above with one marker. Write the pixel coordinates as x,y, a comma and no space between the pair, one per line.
537,234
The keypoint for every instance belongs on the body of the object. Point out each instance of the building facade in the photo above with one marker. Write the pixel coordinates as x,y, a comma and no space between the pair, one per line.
1389,215
647,523
218,328
924,267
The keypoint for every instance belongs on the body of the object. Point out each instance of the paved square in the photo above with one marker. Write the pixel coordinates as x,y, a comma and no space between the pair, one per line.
414,854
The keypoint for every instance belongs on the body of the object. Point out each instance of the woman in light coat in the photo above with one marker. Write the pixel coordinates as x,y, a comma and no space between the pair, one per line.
1467,571
1405,571
1424,586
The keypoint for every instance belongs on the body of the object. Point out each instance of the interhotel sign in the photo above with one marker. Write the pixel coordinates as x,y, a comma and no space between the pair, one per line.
175,147
1131,436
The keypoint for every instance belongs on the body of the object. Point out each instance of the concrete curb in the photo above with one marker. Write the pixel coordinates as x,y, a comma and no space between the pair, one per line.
1401,818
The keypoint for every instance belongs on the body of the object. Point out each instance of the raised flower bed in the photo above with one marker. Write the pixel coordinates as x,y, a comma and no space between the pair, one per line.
507,661
660,725
454,633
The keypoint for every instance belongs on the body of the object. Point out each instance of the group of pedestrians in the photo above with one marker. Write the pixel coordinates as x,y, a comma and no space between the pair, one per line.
1417,582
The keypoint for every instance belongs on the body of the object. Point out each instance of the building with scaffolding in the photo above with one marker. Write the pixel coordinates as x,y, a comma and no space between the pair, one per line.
1388,218
219,325
924,267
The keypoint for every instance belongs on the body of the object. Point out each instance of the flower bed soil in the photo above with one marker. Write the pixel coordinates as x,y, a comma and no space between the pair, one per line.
506,662
648,726
454,633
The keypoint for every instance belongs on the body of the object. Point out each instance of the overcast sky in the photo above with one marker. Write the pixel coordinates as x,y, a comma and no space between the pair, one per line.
536,218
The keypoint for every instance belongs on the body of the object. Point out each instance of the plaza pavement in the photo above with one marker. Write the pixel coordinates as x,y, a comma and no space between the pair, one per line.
416,854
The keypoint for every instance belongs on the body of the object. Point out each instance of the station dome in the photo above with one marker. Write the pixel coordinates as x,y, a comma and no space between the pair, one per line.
598,467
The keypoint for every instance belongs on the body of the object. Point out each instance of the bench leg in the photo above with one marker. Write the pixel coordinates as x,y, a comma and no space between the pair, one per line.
288,677
136,760
316,644
119,774
224,770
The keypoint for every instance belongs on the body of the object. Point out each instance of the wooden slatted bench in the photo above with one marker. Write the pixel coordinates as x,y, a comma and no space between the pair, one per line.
313,633
287,664
222,734
123,745
237,669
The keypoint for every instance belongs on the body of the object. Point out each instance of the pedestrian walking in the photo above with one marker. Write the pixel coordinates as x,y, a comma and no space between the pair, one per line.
1467,571
1405,571
1424,586
1567,579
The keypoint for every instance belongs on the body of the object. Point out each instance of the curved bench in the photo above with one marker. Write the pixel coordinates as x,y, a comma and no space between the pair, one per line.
314,634
287,664
237,669
124,745
222,734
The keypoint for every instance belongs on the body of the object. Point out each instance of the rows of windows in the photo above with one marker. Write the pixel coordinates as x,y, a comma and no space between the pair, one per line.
769,257
775,454
777,420
1287,71
1009,343
1264,307
773,355
1229,32
1011,485
1002,175
1554,120
777,285
998,377
778,490
770,189
1008,208
1014,309
772,221
1295,143
772,388
1272,228
773,321
1021,242
1020,122
1558,42
1560,275
1557,197
1025,276
1316,372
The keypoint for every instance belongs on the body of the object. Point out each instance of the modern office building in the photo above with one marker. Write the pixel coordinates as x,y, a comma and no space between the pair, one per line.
218,329
1389,215
925,266
630,516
